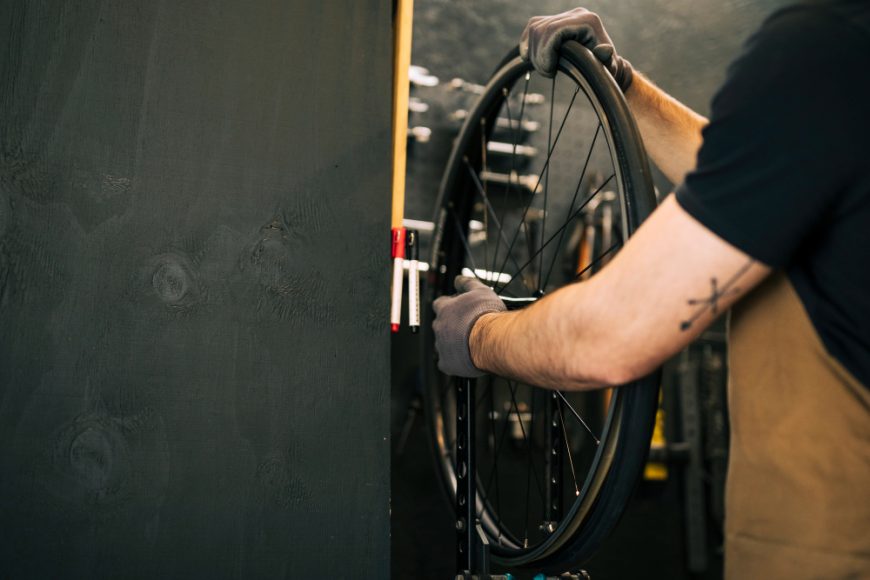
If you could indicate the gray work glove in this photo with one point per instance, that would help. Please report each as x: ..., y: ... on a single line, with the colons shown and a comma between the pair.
x: 454, y: 318
x: 544, y: 35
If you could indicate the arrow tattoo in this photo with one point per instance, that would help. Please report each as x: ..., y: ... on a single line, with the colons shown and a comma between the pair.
x: 711, y: 302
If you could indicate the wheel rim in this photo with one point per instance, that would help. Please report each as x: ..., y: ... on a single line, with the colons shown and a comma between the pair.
x: 532, y: 270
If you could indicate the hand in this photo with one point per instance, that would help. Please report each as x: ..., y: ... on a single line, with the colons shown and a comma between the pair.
x: 544, y: 36
x: 455, y: 316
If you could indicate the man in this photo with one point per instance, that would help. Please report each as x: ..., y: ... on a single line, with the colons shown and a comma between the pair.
x: 772, y: 215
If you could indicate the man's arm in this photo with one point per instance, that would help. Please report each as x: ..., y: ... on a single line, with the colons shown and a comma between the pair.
x: 671, y: 131
x: 669, y: 282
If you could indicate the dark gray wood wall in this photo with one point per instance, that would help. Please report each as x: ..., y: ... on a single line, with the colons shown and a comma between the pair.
x: 194, y: 214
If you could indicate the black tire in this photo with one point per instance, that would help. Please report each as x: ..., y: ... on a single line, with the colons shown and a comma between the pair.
x: 619, y: 459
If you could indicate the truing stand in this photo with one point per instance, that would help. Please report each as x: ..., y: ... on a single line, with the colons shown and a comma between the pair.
x: 467, y: 538
x: 472, y: 545
x: 553, y: 462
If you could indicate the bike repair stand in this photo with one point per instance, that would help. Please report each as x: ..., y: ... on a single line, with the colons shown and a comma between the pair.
x: 472, y: 545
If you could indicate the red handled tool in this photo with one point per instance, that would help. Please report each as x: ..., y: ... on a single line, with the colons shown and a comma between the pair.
x: 398, y: 254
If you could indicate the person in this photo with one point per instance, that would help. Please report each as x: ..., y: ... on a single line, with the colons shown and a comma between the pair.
x: 772, y: 217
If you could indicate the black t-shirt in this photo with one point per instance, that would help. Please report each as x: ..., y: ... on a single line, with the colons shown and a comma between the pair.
x: 784, y: 170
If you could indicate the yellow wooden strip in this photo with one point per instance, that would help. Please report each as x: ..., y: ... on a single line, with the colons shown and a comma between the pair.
x: 401, y: 64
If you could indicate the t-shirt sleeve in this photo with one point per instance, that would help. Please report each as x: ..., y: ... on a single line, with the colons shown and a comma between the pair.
x: 774, y: 154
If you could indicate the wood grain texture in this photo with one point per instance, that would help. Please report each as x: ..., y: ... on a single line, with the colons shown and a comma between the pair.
x: 194, y: 209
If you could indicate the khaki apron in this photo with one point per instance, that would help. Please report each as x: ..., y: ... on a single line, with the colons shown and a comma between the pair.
x: 798, y: 492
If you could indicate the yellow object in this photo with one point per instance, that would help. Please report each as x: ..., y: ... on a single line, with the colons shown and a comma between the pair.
x: 657, y: 471
x: 402, y: 27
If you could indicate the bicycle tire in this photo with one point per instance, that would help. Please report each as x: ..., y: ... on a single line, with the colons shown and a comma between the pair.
x: 618, y: 463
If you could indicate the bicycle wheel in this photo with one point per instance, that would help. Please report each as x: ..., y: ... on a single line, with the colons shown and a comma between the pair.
x: 554, y: 470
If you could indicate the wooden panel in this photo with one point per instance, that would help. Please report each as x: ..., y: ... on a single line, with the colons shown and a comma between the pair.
x: 194, y: 218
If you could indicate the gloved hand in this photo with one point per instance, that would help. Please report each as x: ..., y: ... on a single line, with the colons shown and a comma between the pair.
x: 544, y: 35
x: 454, y: 318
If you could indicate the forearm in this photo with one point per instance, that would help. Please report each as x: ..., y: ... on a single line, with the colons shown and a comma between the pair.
x: 670, y: 280
x: 542, y: 346
x: 671, y: 131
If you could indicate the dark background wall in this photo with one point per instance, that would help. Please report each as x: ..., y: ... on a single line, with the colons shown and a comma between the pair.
x: 193, y: 289
x: 685, y: 46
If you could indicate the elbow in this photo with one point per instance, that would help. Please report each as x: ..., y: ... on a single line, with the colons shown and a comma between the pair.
x: 626, y: 369
x: 617, y: 374
x: 600, y: 372
x: 601, y: 354
x: 620, y: 365
x: 629, y: 354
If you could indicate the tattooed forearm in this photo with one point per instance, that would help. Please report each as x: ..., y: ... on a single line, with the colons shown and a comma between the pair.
x: 711, y: 302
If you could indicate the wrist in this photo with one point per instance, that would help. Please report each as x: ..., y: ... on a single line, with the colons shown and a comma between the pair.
x: 628, y: 91
x: 637, y: 90
x: 478, y: 337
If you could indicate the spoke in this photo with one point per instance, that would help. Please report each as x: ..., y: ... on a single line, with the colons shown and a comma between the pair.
x: 541, y: 174
x: 568, y: 448
x: 517, y: 131
x: 528, y: 441
x: 465, y: 243
x: 571, y: 206
x: 495, y: 458
x: 547, y: 179
x: 532, y: 235
x: 483, y: 396
x: 512, y: 387
x: 598, y: 259
x: 500, y: 442
x: 557, y: 232
x: 578, y: 417
x: 526, y: 438
x: 482, y: 188
x: 489, y: 210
